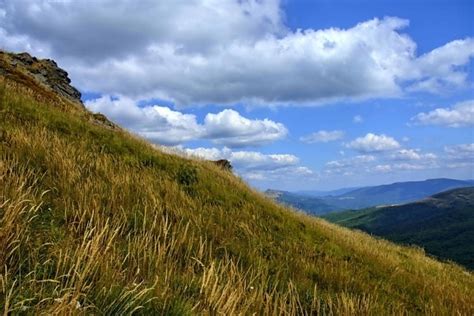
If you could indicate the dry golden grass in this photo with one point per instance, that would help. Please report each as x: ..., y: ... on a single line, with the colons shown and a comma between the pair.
x: 95, y: 221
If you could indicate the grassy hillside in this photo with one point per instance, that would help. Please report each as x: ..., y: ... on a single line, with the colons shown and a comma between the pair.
x: 443, y: 224
x: 93, y: 220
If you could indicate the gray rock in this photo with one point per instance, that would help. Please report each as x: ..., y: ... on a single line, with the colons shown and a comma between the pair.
x: 47, y: 72
x: 224, y: 164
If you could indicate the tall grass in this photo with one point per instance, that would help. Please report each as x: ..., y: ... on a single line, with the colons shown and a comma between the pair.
x: 93, y: 220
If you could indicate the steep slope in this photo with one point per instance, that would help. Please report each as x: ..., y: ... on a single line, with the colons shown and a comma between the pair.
x: 96, y: 221
x: 443, y: 224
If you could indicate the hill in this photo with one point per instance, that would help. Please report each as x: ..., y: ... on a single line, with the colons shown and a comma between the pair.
x: 442, y: 224
x: 309, y: 204
x: 349, y: 199
x: 96, y: 221
x: 396, y: 193
x: 316, y: 193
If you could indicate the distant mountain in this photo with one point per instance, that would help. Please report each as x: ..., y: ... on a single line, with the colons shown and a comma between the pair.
x: 395, y: 193
x: 316, y: 193
x: 359, y: 198
x: 442, y: 224
x: 308, y: 204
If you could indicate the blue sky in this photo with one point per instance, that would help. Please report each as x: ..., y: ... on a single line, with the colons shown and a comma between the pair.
x: 297, y: 94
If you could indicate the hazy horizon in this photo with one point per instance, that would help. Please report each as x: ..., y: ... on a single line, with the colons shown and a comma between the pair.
x: 307, y: 189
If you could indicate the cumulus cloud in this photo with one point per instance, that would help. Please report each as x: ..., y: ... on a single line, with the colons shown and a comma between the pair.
x: 282, y: 174
x: 162, y: 125
x: 119, y: 28
x: 157, y: 123
x: 383, y: 168
x: 462, y: 150
x: 347, y: 166
x: 254, y: 160
x: 460, y: 156
x: 396, y: 161
x: 373, y: 143
x: 254, y: 165
x: 322, y: 137
x: 385, y: 162
x: 439, y: 66
x: 230, y: 128
x: 412, y: 154
x: 170, y: 50
x: 459, y: 115
x: 416, y: 166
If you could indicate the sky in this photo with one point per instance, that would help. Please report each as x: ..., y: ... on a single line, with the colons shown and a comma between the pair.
x: 297, y: 94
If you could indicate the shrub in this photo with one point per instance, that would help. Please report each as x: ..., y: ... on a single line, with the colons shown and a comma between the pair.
x: 187, y: 175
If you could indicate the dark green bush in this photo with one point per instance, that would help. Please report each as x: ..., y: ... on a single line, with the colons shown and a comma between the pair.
x: 187, y: 175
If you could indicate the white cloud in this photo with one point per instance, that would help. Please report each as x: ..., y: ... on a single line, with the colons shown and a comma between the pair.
x: 430, y: 164
x: 282, y: 174
x: 156, y: 123
x: 250, y: 160
x: 205, y: 153
x: 439, y: 66
x: 231, y: 129
x: 254, y: 165
x: 123, y: 27
x: 464, y: 150
x: 459, y: 115
x: 407, y: 160
x: 469, y: 165
x: 349, y: 162
x: 459, y: 156
x: 358, y: 119
x: 171, y: 50
x: 383, y: 168
x: 349, y: 165
x: 322, y: 137
x: 387, y: 160
x: 164, y: 126
x: 373, y: 143
x: 412, y: 154
x: 395, y: 162
x: 247, y: 160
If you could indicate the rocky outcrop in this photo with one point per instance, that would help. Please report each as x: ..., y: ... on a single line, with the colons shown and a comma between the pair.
x: 45, y: 71
x: 224, y: 164
x: 45, y: 78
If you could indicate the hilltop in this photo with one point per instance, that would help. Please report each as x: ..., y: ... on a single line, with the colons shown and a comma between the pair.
x: 97, y: 221
x: 442, y: 224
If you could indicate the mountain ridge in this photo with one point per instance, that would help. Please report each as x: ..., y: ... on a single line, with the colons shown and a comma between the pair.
x: 443, y: 224
x: 385, y: 194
